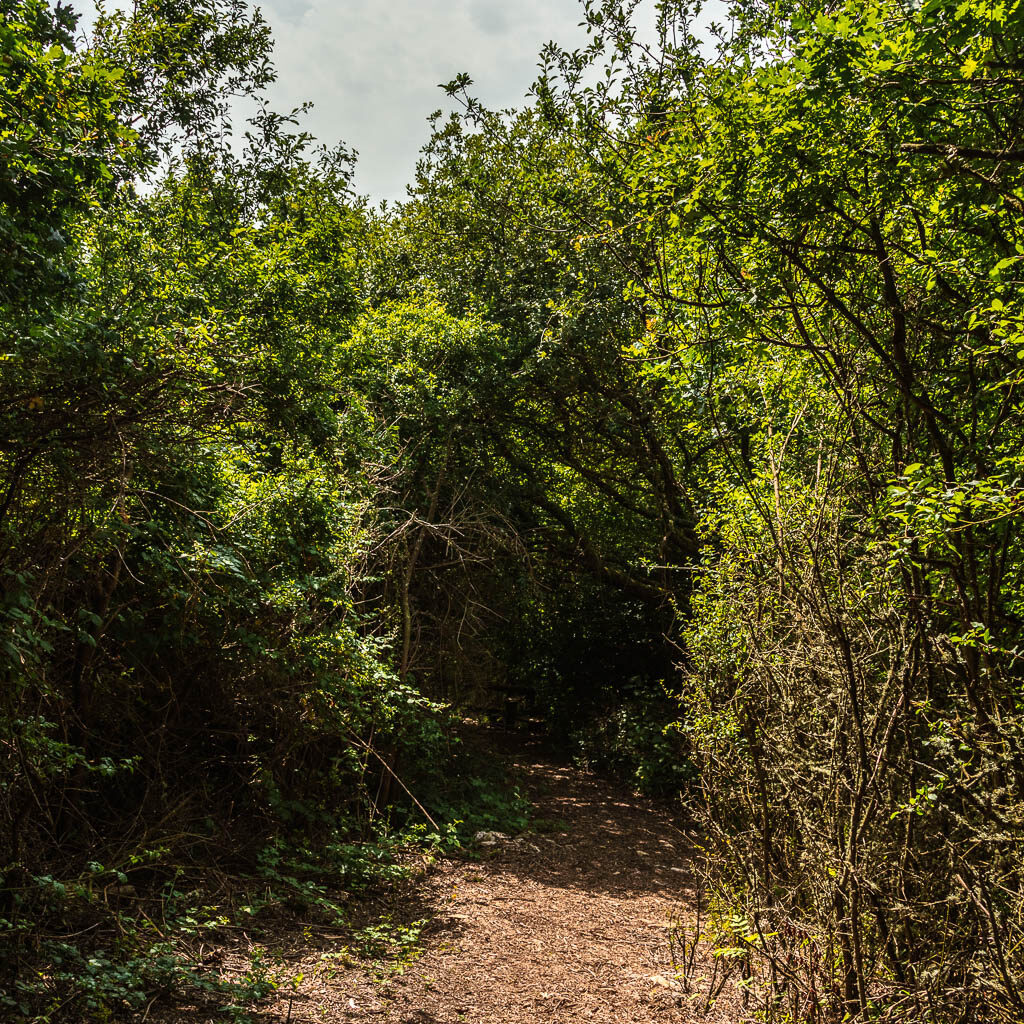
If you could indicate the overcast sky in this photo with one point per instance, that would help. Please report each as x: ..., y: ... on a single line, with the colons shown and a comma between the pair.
x: 372, y: 67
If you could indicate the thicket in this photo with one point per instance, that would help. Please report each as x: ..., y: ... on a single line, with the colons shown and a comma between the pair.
x: 680, y: 408
x: 761, y: 310
x: 200, y: 711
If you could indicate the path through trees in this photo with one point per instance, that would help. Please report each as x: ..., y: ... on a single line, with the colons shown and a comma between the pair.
x: 569, y: 922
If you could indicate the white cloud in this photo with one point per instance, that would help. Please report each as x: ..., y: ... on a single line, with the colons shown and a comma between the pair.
x: 372, y: 68
x: 490, y: 18
x: 291, y: 12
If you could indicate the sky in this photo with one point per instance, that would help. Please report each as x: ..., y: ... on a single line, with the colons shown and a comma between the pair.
x: 372, y: 68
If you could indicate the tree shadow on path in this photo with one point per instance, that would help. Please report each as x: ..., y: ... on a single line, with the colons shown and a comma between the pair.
x: 592, y: 835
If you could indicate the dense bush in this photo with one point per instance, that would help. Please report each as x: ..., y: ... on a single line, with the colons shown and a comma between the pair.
x: 699, y: 376
x: 777, y: 389
x: 187, y: 509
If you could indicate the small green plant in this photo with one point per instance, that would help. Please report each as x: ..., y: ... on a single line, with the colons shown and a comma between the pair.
x: 391, y: 946
x: 261, y: 979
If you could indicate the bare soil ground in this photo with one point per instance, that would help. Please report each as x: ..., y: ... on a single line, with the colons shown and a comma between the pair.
x: 568, y: 923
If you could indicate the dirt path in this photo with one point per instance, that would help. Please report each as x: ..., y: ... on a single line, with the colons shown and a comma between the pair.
x: 569, y: 924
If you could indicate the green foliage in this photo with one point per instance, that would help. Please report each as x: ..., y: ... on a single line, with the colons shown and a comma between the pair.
x: 835, y: 210
x: 476, y: 793
x: 192, y: 658
x: 394, y: 946
x: 762, y: 304
x: 701, y: 373
x: 147, y: 945
x: 635, y: 741
x: 63, y: 150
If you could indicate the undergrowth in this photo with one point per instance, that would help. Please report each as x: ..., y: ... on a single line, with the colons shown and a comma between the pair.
x: 110, y: 941
x: 637, y: 742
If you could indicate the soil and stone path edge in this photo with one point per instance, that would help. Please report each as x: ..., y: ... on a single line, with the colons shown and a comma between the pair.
x: 569, y: 922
